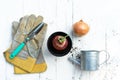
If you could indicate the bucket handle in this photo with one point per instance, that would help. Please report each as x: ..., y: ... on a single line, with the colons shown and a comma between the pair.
x: 108, y: 57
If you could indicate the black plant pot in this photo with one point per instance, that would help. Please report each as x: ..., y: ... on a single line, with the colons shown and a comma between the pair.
x: 59, y: 53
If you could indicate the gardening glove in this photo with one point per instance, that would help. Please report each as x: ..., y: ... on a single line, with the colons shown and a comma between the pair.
x: 27, y: 58
x: 40, y: 65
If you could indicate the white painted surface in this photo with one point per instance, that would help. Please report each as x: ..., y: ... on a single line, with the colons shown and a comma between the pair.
x: 103, y: 16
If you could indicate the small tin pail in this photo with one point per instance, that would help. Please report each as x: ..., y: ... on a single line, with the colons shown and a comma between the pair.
x: 89, y: 60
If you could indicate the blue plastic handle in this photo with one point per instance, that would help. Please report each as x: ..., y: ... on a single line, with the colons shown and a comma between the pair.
x: 17, y: 50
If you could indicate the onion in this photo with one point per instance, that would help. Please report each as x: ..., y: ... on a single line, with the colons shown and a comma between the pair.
x: 60, y: 42
x: 80, y: 28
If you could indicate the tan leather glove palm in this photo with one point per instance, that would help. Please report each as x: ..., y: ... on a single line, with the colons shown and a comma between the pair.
x: 30, y: 59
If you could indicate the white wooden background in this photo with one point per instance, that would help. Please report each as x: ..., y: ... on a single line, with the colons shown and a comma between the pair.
x: 103, y: 17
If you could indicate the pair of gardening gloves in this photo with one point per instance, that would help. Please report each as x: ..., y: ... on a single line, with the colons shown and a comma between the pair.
x: 30, y: 59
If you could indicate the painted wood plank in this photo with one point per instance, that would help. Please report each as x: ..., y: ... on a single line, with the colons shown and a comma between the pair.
x: 47, y: 8
x: 100, y: 43
x: 80, y: 42
x: 10, y: 11
x: 63, y: 68
x: 17, y: 11
x: 113, y: 38
x: 64, y: 23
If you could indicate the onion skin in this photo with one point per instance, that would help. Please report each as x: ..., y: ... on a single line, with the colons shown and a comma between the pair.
x: 80, y: 28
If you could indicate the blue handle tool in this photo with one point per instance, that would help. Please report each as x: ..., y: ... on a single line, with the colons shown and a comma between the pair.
x: 29, y: 37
